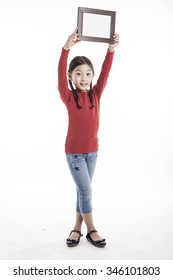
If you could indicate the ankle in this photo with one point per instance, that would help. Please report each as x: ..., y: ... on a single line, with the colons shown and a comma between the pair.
x: 77, y: 228
x: 93, y: 229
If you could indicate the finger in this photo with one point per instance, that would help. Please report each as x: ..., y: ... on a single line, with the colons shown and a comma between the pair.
x: 75, y: 31
x: 116, y: 38
x: 73, y: 36
x: 115, y: 35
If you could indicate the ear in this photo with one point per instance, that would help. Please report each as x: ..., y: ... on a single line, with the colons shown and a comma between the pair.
x: 69, y: 76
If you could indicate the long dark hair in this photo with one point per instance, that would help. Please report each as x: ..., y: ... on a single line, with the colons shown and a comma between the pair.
x: 76, y: 61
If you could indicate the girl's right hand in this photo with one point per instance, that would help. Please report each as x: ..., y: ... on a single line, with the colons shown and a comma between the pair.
x: 72, y: 40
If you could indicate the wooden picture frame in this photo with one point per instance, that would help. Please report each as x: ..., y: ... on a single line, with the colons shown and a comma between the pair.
x: 103, y: 20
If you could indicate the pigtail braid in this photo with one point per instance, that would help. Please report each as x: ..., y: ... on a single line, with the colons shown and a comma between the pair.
x: 90, y: 94
x: 75, y: 95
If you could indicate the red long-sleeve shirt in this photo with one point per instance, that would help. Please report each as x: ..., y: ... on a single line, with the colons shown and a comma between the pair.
x: 83, y: 124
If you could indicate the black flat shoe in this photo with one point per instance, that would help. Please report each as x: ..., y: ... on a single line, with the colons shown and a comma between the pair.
x: 73, y: 242
x: 97, y: 243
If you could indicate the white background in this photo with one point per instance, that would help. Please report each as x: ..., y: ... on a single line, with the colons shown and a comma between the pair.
x: 132, y: 187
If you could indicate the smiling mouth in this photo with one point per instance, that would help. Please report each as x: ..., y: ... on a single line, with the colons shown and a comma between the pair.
x: 83, y: 85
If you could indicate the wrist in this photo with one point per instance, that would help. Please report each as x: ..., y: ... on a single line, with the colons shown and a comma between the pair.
x: 66, y: 46
x: 111, y: 49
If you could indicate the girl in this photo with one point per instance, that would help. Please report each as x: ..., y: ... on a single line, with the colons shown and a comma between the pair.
x: 82, y: 101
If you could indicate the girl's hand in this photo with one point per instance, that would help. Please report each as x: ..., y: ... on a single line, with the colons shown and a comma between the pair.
x: 116, y: 42
x: 72, y: 40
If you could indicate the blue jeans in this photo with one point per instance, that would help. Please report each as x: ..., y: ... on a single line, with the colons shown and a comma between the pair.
x: 82, y: 168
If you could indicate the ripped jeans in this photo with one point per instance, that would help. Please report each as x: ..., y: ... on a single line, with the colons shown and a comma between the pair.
x: 82, y: 168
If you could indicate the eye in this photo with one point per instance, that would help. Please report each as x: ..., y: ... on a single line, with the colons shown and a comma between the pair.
x: 88, y: 74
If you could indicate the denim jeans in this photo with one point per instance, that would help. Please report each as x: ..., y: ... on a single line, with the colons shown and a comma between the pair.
x: 82, y: 168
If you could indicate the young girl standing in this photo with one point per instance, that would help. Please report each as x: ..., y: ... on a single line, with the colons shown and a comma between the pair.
x: 82, y: 101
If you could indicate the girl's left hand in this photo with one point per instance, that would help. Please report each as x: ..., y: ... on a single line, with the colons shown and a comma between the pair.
x: 116, y: 42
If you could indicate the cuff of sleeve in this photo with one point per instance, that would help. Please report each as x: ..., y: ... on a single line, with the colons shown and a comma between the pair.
x: 110, y: 51
x: 65, y: 49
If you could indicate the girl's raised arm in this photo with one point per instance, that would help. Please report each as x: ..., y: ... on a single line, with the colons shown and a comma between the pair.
x: 106, y: 66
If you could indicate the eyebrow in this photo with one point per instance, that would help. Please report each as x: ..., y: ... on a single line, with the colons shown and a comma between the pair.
x: 78, y: 70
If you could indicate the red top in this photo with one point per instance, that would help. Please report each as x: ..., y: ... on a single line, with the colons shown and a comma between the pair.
x: 83, y: 123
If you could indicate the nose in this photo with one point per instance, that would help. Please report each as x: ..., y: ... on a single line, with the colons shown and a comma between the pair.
x: 83, y: 78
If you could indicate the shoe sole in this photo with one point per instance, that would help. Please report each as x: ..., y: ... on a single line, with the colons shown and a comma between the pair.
x: 97, y: 245
x: 72, y: 245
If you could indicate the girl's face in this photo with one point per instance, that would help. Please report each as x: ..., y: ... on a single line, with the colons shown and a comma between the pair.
x: 82, y: 77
